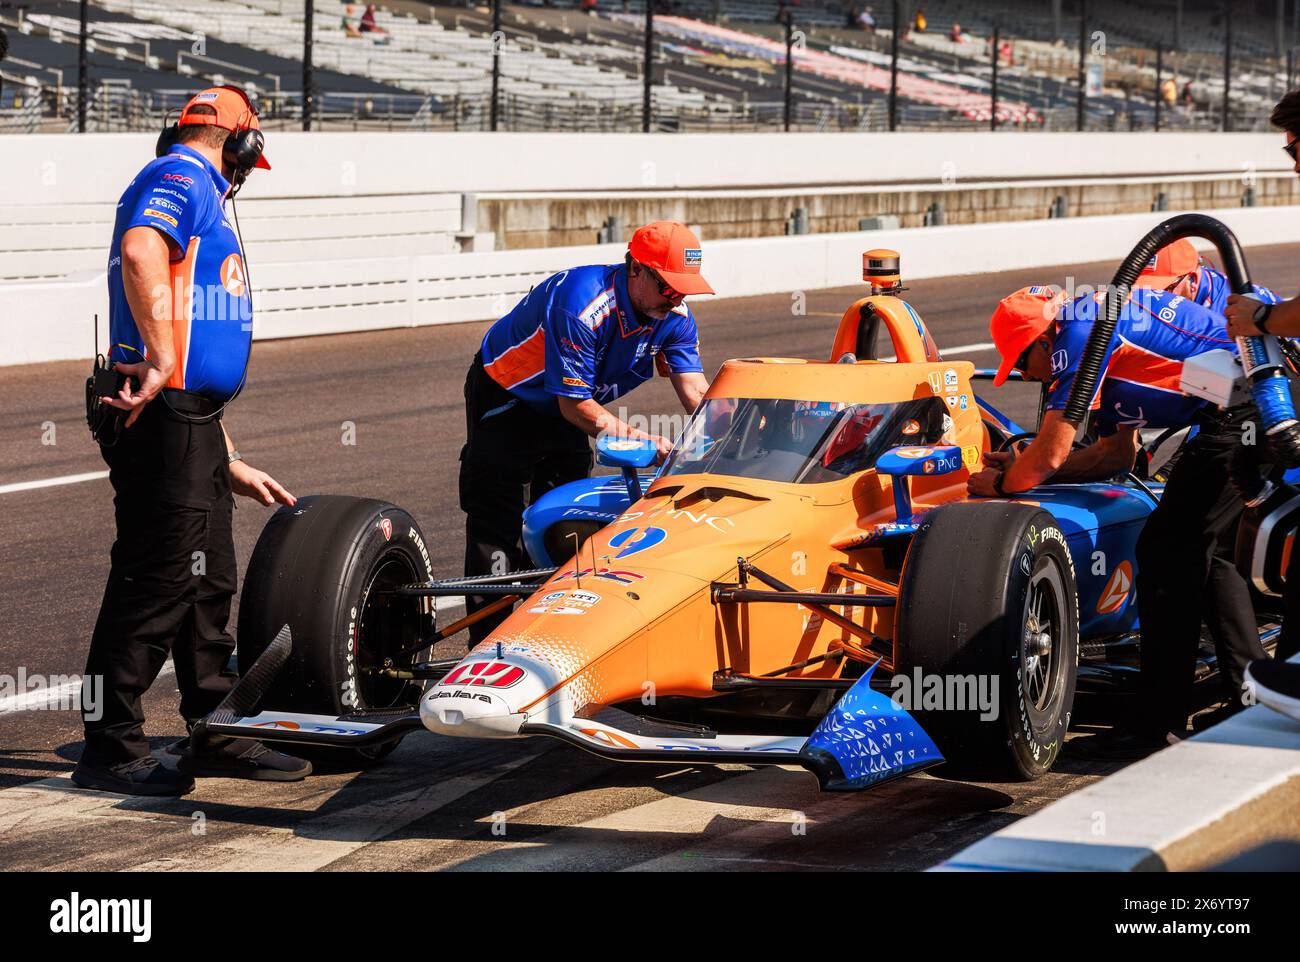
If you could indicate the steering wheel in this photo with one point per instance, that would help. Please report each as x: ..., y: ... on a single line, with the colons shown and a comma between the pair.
x: 1074, y: 446
x: 1006, y: 444
x: 1029, y: 436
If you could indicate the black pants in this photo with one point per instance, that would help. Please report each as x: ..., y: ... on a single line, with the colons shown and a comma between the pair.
x: 1186, y: 575
x: 1288, y: 641
x: 172, y: 577
x: 512, y: 456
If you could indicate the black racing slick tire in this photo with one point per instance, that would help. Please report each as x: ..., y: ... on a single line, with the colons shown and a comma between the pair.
x: 988, y: 605
x: 324, y: 567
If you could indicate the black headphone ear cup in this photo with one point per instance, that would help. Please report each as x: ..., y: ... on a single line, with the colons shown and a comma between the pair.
x: 167, y: 138
x: 243, y: 149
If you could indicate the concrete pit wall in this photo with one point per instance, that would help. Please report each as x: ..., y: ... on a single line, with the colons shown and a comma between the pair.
x: 524, y: 222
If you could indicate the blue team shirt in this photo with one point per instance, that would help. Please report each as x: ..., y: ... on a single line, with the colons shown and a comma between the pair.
x: 1155, y: 333
x: 1213, y: 290
x: 181, y: 195
x: 577, y: 335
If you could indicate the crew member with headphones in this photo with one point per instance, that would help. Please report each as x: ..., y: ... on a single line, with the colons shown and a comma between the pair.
x: 180, y: 323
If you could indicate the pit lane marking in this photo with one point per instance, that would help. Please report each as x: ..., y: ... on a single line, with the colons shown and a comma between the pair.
x: 947, y: 352
x: 33, y: 813
x: 52, y: 482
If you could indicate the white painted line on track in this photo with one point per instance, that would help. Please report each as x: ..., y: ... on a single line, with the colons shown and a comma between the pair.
x: 52, y: 482
x: 958, y: 349
x: 322, y: 827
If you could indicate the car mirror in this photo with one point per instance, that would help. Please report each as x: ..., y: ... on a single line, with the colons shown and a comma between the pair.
x: 625, y: 452
x: 931, y: 460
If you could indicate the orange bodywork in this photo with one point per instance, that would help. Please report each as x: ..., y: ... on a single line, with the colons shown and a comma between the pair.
x: 633, y: 615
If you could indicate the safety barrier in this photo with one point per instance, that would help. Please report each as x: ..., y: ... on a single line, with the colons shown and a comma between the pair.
x: 303, y: 298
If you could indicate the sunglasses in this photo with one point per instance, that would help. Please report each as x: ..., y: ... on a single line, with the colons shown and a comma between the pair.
x: 1022, y: 362
x: 665, y: 291
x: 1291, y: 149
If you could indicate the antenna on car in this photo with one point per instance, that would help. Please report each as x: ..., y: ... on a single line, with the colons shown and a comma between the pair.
x: 577, y: 562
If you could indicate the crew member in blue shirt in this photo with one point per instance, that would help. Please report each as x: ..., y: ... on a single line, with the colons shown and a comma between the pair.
x: 180, y: 324
x: 545, y: 374
x: 1184, y: 550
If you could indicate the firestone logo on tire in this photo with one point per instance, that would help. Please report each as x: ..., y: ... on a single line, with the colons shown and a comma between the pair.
x: 485, y: 674
x: 386, y: 526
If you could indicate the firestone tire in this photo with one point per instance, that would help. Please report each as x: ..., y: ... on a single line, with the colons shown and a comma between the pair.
x: 322, y: 567
x: 988, y: 593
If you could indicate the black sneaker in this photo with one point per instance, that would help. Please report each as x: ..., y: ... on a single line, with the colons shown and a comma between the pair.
x: 144, y: 776
x: 240, y: 758
x: 1276, y: 684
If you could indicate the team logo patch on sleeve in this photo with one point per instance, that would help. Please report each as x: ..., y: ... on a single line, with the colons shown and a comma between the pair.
x: 575, y: 382
x: 150, y: 212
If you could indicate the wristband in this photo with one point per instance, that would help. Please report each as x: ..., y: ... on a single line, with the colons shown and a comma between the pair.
x: 1260, y: 317
x: 997, y: 484
x: 232, y: 457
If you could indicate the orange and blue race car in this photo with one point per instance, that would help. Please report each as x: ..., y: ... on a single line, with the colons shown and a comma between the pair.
x: 805, y: 581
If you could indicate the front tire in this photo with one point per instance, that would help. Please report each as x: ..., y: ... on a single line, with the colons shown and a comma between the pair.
x: 324, y: 567
x: 988, y: 593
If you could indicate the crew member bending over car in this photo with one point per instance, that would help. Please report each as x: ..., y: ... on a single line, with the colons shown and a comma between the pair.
x: 1179, y: 268
x: 1184, y: 551
x: 537, y: 388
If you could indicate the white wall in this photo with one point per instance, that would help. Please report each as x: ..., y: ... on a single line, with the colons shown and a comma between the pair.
x: 49, y: 175
x: 297, y: 299
x: 71, y: 168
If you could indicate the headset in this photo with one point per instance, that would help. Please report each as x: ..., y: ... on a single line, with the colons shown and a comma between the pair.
x: 242, y: 149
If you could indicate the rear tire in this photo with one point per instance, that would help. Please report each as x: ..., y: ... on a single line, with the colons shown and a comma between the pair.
x: 321, y: 567
x: 988, y: 590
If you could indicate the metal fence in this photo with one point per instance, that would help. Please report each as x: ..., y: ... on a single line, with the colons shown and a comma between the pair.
x: 666, y: 88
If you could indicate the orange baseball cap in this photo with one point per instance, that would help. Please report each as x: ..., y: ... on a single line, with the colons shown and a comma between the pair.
x: 234, y: 112
x: 673, y: 252
x: 1017, y: 322
x: 1171, y: 263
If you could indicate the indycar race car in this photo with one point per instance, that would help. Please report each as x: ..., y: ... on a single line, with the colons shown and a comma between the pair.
x: 804, y: 581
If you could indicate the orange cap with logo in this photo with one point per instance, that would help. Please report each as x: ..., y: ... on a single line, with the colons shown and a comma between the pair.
x: 1018, y: 321
x: 234, y: 112
x: 1171, y: 263
x: 673, y: 252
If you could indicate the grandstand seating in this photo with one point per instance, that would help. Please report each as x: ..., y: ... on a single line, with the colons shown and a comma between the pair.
x: 719, y: 63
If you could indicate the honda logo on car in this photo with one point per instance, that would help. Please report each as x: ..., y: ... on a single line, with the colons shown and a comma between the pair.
x: 487, y: 674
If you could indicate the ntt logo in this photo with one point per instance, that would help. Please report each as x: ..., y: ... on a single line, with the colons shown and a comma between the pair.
x: 77, y: 916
